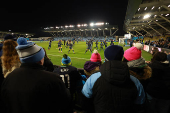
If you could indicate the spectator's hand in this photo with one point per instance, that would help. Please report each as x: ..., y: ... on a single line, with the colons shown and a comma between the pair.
x: 147, y: 62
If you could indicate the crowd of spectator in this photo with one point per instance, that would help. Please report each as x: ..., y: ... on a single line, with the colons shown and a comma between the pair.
x: 124, y: 82
x: 160, y: 43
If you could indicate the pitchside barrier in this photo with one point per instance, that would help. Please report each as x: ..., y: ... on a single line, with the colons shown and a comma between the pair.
x: 149, y: 49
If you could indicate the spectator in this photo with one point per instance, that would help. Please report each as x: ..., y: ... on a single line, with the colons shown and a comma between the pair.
x: 113, y: 89
x: 30, y: 89
x: 158, y: 89
x: 95, y: 57
x: 93, y: 65
x: 10, y: 58
x: 47, y: 63
x: 69, y: 75
x: 137, y: 66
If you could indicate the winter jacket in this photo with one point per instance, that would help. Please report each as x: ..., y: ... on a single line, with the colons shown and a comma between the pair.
x: 113, y: 89
x: 30, y: 89
x: 159, y: 86
x: 48, y: 64
x: 139, y: 69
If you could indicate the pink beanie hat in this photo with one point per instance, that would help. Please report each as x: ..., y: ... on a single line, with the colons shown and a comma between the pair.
x: 133, y: 53
x: 95, y: 57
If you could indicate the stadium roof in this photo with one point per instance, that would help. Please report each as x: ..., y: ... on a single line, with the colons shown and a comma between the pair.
x: 83, y: 27
x: 17, y: 34
x: 148, y: 17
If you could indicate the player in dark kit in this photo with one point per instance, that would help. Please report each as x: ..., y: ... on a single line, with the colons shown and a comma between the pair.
x: 101, y: 46
x: 96, y: 44
x: 112, y: 42
x: 105, y: 43
x: 69, y: 75
x: 49, y: 47
x: 89, y: 47
x: 59, y: 46
x: 70, y: 47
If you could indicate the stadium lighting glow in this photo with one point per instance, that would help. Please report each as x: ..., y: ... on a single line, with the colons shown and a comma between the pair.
x: 85, y: 25
x: 146, y: 16
x: 57, y: 27
x: 99, y: 24
x: 91, y: 24
x: 78, y: 25
x: 145, y: 8
x: 153, y: 7
x: 71, y: 26
x: 139, y: 9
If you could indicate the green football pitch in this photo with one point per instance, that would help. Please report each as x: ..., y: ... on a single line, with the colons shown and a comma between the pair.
x: 79, y: 58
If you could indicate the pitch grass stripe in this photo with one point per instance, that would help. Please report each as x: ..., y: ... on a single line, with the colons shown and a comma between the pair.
x: 71, y: 57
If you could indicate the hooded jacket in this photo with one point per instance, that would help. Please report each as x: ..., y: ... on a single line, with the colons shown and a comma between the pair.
x: 30, y: 89
x: 159, y: 85
x: 113, y: 90
x: 139, y: 69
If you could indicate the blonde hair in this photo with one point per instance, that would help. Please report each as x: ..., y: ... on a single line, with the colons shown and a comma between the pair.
x: 10, y: 56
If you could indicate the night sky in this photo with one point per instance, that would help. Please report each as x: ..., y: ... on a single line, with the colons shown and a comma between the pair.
x: 33, y: 16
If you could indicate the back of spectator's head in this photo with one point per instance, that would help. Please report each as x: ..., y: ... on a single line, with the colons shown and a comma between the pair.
x: 66, y: 60
x: 29, y: 52
x: 9, y: 56
x: 95, y: 57
x: 9, y: 37
x: 159, y: 56
x: 90, y: 67
x: 133, y: 53
x: 114, y: 52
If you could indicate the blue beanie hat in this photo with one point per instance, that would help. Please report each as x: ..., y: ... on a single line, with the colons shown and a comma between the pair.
x: 29, y: 52
x: 66, y: 60
x: 114, y: 52
x: 9, y: 36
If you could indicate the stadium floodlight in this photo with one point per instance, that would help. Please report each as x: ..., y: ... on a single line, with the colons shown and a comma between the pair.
x: 66, y: 26
x: 139, y: 9
x: 99, y: 24
x: 85, y: 25
x: 78, y: 25
x: 167, y: 15
x: 91, y: 24
x: 146, y: 16
x: 57, y: 27
x: 71, y: 26
x: 153, y: 7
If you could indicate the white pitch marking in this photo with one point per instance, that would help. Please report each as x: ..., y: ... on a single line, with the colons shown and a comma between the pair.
x: 70, y: 57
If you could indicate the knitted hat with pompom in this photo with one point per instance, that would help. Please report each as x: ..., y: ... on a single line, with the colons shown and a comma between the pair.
x: 95, y: 57
x: 133, y: 53
x: 29, y: 52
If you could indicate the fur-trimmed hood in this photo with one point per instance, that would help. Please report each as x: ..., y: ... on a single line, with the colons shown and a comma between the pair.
x: 139, y: 69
